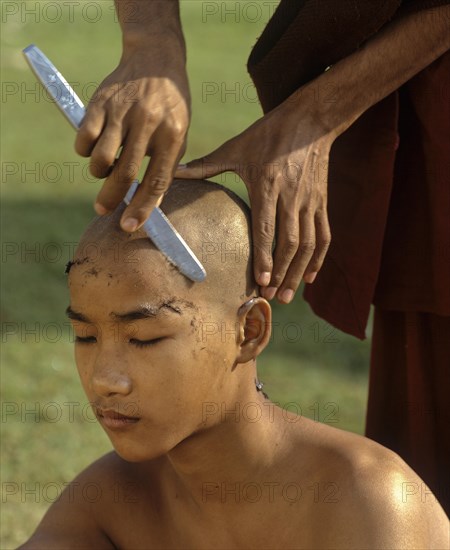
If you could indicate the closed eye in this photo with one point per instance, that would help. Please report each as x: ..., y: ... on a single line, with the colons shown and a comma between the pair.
x: 133, y: 341
x: 145, y: 343
x: 86, y: 340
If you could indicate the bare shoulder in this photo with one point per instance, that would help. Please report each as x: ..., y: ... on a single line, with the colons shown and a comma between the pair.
x: 79, y: 518
x: 383, y: 502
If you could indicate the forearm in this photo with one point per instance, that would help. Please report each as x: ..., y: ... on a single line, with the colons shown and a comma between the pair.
x: 392, y: 57
x: 147, y: 22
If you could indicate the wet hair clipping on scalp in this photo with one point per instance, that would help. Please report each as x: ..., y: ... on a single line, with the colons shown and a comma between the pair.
x: 69, y: 264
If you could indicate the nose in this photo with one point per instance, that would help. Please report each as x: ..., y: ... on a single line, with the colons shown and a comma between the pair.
x: 107, y: 380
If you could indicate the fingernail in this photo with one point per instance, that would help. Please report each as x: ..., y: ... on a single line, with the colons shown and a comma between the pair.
x: 130, y: 224
x: 264, y: 278
x: 100, y: 209
x: 287, y: 295
x: 270, y: 292
x: 310, y: 277
x: 182, y: 167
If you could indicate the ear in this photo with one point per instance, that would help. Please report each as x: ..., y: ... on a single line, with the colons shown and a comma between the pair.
x: 255, y: 326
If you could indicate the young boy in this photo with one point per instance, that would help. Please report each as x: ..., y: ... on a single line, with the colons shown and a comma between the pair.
x: 202, y: 458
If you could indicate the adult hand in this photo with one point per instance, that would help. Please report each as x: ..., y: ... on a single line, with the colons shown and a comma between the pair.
x: 283, y: 160
x: 143, y: 105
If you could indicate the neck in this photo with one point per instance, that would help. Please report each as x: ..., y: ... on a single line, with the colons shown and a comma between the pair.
x: 240, y: 448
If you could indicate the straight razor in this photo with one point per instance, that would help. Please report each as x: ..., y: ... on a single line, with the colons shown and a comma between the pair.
x: 158, y: 227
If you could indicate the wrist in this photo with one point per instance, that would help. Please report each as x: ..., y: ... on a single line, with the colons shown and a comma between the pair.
x: 145, y: 40
x: 148, y: 23
x: 314, y: 106
x: 331, y: 103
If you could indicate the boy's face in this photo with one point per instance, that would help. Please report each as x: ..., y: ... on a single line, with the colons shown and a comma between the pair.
x: 149, y: 348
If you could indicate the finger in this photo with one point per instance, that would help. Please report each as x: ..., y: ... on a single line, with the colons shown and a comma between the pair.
x: 263, y: 229
x: 156, y: 181
x: 90, y: 129
x: 323, y: 238
x: 105, y: 150
x: 301, y: 259
x: 220, y: 160
x: 125, y: 170
x: 286, y: 246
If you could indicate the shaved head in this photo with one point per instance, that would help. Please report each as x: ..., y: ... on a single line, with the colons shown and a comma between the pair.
x: 147, y: 335
x: 213, y: 221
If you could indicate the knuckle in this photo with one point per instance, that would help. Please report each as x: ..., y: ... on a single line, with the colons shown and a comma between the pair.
x: 144, y: 117
x: 307, y: 247
x: 101, y: 159
x: 149, y: 118
x: 270, y: 189
x: 110, y: 203
x: 158, y: 185
x: 100, y: 164
x: 108, y: 198
x: 290, y: 245
x: 83, y: 144
x: 307, y: 210
x: 290, y: 185
x: 177, y: 129
x: 96, y: 169
x: 324, y: 237
x: 128, y: 171
x: 265, y: 230
x: 81, y: 149
x: 87, y: 133
x: 326, y: 243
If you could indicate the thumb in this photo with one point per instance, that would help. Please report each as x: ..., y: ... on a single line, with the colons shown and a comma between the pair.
x: 205, y: 167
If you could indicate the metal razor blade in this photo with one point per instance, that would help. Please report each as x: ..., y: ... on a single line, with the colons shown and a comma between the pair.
x: 159, y: 229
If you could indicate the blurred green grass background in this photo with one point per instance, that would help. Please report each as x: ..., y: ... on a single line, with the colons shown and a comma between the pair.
x: 47, y: 195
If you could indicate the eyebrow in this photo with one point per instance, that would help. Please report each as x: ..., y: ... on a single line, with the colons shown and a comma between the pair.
x: 145, y: 311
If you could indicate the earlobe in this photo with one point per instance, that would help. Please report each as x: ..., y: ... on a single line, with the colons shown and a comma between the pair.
x: 255, y: 321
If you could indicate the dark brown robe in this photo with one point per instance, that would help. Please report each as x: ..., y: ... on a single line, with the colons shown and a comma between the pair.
x: 389, y: 212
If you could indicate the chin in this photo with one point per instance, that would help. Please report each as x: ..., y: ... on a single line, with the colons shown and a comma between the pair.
x: 143, y: 450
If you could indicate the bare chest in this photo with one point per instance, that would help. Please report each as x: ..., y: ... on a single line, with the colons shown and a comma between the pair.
x: 250, y: 525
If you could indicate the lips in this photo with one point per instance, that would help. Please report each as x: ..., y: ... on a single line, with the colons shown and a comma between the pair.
x: 114, y: 419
